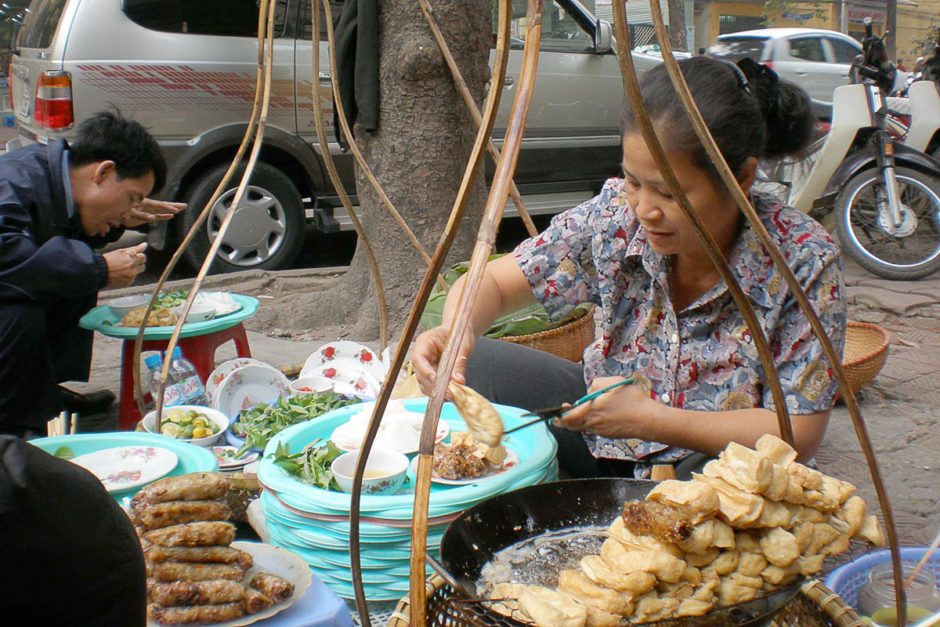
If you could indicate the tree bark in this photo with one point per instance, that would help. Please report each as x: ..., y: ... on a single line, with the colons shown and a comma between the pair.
x: 677, y: 25
x: 418, y: 154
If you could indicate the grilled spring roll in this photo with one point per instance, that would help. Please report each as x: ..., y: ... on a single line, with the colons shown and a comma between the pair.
x: 157, y: 515
x: 199, y: 554
x: 202, y: 614
x: 273, y: 586
x: 198, y: 486
x: 193, y: 534
x: 256, y: 601
x: 211, y: 592
x: 184, y: 571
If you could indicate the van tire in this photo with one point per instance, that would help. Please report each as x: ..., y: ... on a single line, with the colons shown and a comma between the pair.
x: 268, y: 238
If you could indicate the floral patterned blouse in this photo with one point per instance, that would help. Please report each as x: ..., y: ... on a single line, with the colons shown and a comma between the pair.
x: 701, y: 358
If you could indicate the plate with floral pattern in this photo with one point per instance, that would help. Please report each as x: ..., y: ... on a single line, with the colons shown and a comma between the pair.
x: 223, y: 370
x: 249, y: 385
x: 348, y: 354
x: 125, y: 467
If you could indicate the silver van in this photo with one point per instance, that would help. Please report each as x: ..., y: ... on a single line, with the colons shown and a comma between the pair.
x: 186, y: 70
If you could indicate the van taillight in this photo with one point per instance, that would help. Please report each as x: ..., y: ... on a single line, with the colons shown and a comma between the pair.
x: 54, y: 100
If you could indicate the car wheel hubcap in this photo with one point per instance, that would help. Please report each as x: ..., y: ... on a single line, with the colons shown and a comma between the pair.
x: 257, y: 228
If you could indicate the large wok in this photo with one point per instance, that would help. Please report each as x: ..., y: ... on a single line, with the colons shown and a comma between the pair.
x: 471, y: 540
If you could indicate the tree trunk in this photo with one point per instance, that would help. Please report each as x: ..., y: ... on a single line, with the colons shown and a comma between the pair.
x: 677, y: 25
x: 418, y: 154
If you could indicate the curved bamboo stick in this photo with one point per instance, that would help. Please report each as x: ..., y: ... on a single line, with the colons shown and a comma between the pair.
x: 632, y: 86
x: 492, y: 214
x: 204, y: 213
x: 354, y: 146
x: 835, y: 359
x: 341, y: 191
x: 474, y: 111
x: 236, y: 200
x: 437, y: 262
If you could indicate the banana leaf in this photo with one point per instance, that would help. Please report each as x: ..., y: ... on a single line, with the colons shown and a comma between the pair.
x: 531, y: 319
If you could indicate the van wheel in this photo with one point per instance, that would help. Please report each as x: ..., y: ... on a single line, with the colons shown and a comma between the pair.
x: 266, y: 231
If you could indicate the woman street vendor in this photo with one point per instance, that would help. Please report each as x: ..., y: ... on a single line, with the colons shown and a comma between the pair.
x: 664, y: 316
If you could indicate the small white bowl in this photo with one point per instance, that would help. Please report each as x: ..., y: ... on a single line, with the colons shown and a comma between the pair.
x: 122, y: 306
x: 152, y: 424
x: 385, y: 471
x: 310, y: 385
x: 199, y: 312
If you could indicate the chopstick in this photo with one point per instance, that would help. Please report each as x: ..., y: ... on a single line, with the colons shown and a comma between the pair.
x: 923, y: 561
x: 544, y: 414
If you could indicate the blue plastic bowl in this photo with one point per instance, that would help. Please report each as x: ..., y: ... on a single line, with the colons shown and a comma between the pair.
x: 849, y: 579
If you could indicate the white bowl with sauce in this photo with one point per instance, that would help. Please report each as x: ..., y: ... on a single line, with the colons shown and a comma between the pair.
x: 385, y: 471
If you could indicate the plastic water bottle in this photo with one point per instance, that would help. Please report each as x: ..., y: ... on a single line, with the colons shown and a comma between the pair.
x: 192, y: 391
x: 171, y: 393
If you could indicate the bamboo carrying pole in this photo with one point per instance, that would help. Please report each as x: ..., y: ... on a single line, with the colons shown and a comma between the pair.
x: 340, y: 188
x: 460, y: 325
x: 414, y: 316
x: 835, y: 360
x: 260, y: 73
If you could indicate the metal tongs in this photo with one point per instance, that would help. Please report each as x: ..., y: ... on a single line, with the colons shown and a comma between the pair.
x: 559, y: 410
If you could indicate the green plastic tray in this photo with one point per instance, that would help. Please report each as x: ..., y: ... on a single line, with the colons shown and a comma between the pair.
x: 192, y: 458
x: 103, y: 320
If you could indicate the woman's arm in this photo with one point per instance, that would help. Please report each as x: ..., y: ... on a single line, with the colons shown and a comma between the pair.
x: 504, y: 289
x: 629, y: 412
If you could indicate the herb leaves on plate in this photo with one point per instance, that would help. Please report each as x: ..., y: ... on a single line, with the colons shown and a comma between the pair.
x: 166, y: 300
x: 311, y: 465
x: 263, y: 421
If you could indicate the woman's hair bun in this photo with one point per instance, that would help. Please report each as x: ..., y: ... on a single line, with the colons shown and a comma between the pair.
x: 786, y: 108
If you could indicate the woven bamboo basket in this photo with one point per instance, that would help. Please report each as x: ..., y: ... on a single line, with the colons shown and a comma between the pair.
x: 567, y: 341
x: 815, y: 606
x: 866, y: 350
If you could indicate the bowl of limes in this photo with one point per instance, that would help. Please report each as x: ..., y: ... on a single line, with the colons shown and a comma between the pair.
x: 202, y: 426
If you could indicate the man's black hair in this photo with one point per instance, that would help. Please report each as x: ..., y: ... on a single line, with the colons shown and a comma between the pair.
x: 107, y: 135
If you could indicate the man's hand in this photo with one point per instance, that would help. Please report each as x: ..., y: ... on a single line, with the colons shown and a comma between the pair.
x: 150, y: 210
x: 125, y: 264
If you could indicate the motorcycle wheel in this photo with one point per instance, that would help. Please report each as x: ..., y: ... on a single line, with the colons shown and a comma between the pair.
x: 913, y: 251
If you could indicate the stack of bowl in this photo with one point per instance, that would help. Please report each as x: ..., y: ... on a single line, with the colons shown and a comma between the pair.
x: 314, y: 523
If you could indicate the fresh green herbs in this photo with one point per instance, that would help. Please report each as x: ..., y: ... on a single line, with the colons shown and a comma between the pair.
x: 166, y: 300
x: 263, y: 421
x: 311, y: 465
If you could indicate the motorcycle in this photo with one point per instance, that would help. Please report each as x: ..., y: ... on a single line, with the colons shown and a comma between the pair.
x: 885, y: 195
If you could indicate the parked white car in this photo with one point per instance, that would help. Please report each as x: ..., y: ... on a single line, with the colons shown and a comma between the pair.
x: 815, y: 59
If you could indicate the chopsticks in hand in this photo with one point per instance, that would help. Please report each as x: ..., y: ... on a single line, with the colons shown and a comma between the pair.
x: 555, y: 412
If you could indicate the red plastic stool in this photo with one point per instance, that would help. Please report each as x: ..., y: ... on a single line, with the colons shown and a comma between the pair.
x: 199, y: 349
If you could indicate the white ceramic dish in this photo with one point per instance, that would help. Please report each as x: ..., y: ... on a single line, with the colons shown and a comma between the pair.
x: 225, y: 369
x: 512, y: 458
x: 249, y: 385
x: 276, y: 561
x: 199, y: 312
x: 152, y: 425
x: 348, y: 437
x: 385, y: 471
x: 223, y: 302
x: 122, y: 306
x: 125, y: 467
x: 347, y: 353
x: 225, y: 455
x: 348, y: 380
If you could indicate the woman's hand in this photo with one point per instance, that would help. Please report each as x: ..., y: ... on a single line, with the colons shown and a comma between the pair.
x: 624, y: 412
x: 427, y: 353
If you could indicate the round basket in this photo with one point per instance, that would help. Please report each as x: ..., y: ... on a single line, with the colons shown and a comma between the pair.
x: 816, y: 605
x: 866, y: 350
x: 849, y: 579
x: 567, y: 341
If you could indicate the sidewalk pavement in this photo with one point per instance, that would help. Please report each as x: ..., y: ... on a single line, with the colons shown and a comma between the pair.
x: 900, y: 408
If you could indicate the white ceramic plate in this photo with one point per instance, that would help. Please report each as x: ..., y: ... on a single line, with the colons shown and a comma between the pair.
x: 276, y: 561
x: 248, y: 386
x: 348, y: 353
x: 222, y: 301
x: 224, y: 455
x: 345, y: 439
x: 125, y: 467
x: 511, y: 460
x: 349, y: 380
x: 223, y: 370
